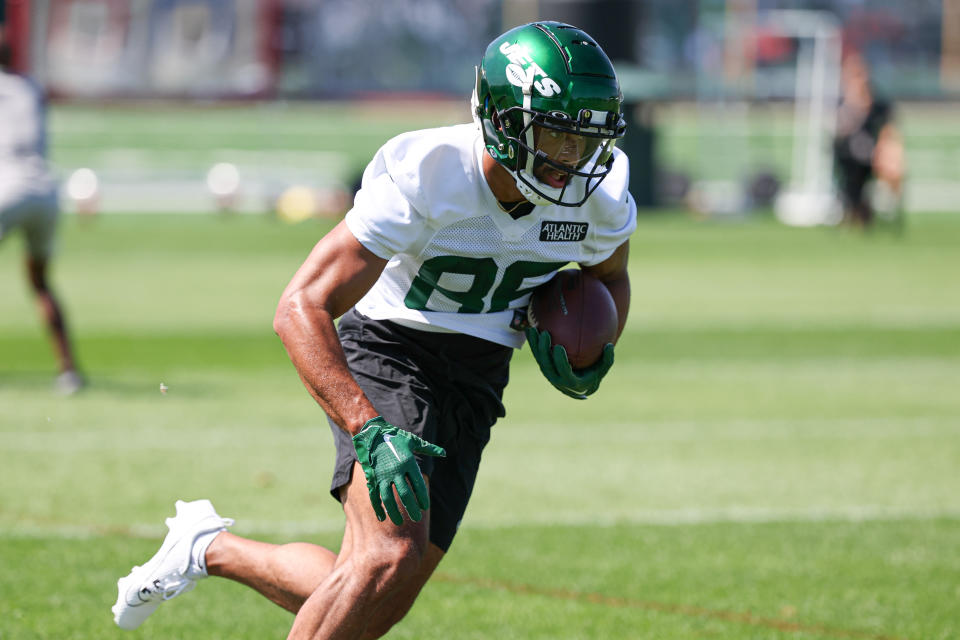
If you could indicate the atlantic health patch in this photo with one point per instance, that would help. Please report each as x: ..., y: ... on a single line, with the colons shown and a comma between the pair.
x: 551, y: 231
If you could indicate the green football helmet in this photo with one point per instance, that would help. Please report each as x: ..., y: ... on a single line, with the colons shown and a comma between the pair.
x: 548, y: 105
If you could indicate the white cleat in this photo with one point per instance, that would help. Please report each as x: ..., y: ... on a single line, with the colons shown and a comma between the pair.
x: 69, y: 383
x: 171, y: 570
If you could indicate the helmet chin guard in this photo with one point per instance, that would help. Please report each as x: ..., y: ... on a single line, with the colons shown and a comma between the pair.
x: 533, y: 196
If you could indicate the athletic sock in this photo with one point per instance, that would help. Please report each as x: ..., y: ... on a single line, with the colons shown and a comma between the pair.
x: 198, y: 554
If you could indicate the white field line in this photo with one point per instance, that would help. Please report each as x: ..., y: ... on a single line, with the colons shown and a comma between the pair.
x: 676, y: 517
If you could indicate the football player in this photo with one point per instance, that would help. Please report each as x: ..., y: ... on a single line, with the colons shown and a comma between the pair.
x: 28, y: 201
x: 868, y: 147
x: 427, y: 273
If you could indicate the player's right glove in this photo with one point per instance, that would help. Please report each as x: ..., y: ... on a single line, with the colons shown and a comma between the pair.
x: 386, y: 454
x: 556, y: 368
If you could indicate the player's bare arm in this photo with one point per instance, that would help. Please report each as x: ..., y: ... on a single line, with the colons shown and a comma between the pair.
x: 336, y: 274
x: 613, y: 273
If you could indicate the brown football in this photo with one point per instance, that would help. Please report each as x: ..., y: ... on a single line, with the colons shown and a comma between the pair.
x: 578, y: 312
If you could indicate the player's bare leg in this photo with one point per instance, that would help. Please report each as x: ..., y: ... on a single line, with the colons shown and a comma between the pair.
x: 360, y: 593
x: 50, y: 310
x: 396, y: 606
x: 374, y: 580
x: 286, y: 574
x: 69, y: 381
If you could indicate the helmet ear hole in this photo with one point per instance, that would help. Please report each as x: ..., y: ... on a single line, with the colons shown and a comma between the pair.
x: 495, y: 118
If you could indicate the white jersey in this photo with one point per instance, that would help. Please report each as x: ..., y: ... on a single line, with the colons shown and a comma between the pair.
x: 28, y: 193
x: 23, y: 166
x: 456, y: 261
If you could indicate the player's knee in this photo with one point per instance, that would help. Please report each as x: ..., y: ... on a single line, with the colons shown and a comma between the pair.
x: 394, y: 609
x: 395, y: 560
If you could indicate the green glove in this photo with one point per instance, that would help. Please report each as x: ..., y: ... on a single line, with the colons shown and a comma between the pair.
x: 556, y: 367
x: 386, y: 456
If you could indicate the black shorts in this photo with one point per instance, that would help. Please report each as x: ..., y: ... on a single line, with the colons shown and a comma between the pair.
x: 445, y: 387
x: 852, y: 179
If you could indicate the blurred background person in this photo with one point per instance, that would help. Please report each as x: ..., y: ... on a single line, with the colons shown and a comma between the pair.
x: 28, y: 202
x: 868, y: 147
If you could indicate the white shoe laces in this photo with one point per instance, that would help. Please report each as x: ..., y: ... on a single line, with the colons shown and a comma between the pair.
x: 166, y: 588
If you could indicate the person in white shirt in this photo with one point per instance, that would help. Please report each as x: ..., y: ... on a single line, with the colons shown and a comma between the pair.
x: 429, y: 273
x: 28, y: 202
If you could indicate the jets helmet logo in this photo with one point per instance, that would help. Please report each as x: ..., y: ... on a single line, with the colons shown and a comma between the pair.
x: 523, y: 71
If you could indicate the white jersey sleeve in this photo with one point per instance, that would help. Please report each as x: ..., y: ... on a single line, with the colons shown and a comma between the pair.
x: 613, y: 211
x: 456, y: 261
x: 382, y: 219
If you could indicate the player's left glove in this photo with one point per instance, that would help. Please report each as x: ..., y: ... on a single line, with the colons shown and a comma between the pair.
x: 386, y: 456
x: 556, y: 368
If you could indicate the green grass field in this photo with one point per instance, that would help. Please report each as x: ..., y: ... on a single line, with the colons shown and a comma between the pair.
x: 775, y: 454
